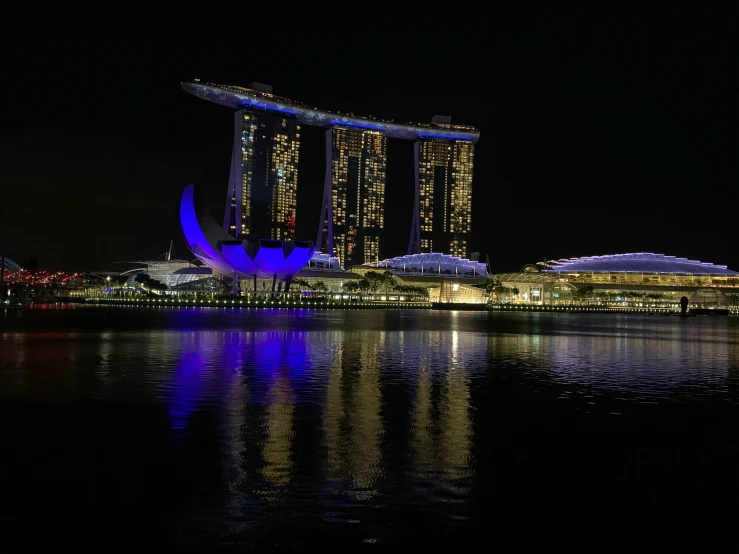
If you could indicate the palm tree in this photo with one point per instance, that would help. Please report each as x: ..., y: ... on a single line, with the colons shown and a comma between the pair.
x: 364, y: 284
x: 420, y: 291
x: 490, y: 284
x: 500, y: 291
x: 155, y: 285
x: 388, y: 281
x: 351, y: 286
x: 374, y: 279
x: 302, y: 283
x: 319, y: 286
x: 583, y: 293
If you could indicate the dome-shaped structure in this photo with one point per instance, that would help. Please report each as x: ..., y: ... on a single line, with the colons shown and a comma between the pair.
x: 323, y: 262
x: 708, y: 301
x: 176, y: 274
x: 434, y: 263
x: 262, y: 258
x: 641, y: 262
x: 563, y: 292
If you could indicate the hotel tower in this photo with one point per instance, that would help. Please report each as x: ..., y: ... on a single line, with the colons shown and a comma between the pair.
x: 261, y: 199
x: 358, y: 169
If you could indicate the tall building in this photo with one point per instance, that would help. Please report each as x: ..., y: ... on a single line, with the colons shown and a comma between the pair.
x: 262, y: 192
x: 261, y: 195
x: 358, y: 170
x: 445, y: 195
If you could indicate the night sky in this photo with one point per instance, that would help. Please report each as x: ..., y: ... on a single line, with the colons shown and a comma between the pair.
x: 599, y: 134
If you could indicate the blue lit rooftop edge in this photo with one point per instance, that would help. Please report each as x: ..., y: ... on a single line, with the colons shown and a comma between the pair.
x: 359, y: 125
x: 442, y: 137
x: 640, y: 262
x: 239, y: 97
x: 268, y: 107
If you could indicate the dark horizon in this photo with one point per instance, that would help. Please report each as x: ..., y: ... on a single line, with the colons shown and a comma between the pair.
x: 598, y: 135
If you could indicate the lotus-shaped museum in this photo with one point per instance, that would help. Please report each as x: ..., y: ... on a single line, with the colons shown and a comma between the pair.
x: 259, y: 258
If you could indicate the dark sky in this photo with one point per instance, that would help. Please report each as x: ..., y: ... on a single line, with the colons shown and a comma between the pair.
x: 599, y: 134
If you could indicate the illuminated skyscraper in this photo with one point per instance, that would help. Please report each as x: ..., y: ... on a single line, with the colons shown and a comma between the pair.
x: 358, y: 169
x: 445, y: 187
x: 444, y: 193
x: 262, y: 191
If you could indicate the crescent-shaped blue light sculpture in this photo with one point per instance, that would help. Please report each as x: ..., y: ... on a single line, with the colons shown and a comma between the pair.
x: 235, y: 254
x: 202, y: 233
x: 263, y: 258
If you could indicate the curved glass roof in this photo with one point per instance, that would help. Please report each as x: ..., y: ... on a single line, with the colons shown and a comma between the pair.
x: 709, y: 298
x: 323, y: 262
x: 525, y: 277
x: 640, y: 262
x: 433, y: 263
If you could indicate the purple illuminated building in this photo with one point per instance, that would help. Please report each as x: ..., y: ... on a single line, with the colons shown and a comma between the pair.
x: 257, y: 258
x: 262, y: 189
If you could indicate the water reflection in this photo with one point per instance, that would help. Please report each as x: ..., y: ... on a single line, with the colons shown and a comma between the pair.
x: 40, y: 364
x: 454, y: 417
x: 335, y: 417
x: 233, y: 430
x: 441, y: 426
x: 186, y: 389
x: 363, y: 401
x: 351, y: 422
x: 333, y: 411
x: 635, y: 356
x: 277, y: 448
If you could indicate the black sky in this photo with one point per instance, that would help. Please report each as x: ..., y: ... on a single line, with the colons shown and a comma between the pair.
x: 599, y: 133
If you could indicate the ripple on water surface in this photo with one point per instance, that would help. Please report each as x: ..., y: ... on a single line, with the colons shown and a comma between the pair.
x: 226, y: 426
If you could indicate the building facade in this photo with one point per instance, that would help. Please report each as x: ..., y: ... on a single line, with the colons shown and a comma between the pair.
x: 252, y: 257
x: 445, y: 195
x: 641, y: 279
x: 358, y: 171
x: 262, y: 194
x: 261, y: 197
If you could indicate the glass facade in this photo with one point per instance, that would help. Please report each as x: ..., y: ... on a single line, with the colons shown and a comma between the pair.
x: 445, y: 195
x: 616, y: 289
x: 261, y: 196
x: 270, y: 147
x: 648, y: 279
x: 358, y: 171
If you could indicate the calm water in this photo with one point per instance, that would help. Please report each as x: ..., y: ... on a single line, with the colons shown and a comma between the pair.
x: 219, y: 430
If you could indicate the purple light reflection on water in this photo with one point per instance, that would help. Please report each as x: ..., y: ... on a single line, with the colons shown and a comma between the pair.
x: 258, y: 358
x: 186, y: 384
x: 419, y: 421
x: 192, y: 318
x: 272, y: 356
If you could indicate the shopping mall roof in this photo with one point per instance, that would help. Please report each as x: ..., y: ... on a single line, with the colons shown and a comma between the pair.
x: 525, y: 277
x: 433, y: 263
x: 323, y: 262
x: 640, y: 262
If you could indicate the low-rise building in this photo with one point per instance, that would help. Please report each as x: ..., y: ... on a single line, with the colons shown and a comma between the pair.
x: 621, y: 279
